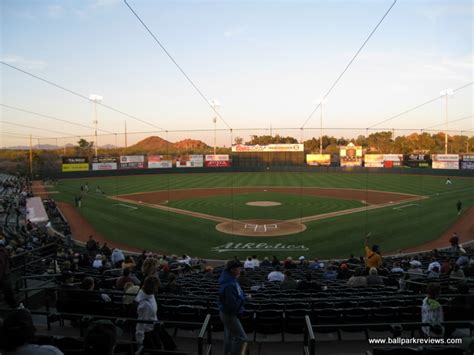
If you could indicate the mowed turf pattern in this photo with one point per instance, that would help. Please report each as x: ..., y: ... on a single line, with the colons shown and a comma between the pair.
x: 392, y: 229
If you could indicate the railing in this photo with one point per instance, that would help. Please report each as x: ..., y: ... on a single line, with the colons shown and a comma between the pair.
x: 309, y: 341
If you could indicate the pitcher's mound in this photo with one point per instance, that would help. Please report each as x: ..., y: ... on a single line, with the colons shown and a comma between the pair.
x: 263, y: 203
x: 261, y: 227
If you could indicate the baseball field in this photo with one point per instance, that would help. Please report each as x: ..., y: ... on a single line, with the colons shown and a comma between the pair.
x: 324, y: 215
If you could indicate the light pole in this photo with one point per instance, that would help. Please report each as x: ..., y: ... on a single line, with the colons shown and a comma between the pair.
x: 95, y: 99
x: 446, y: 93
x: 215, y: 104
x: 322, y: 102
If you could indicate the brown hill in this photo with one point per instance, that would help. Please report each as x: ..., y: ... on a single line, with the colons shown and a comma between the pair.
x: 190, y: 144
x: 158, y: 143
x: 152, y: 143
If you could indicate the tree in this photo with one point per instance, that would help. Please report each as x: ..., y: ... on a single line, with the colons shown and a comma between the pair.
x: 238, y: 140
x: 84, y: 148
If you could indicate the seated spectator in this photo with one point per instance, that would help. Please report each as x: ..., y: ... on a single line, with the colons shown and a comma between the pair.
x: 172, y: 286
x: 275, y: 261
x: 117, y: 258
x: 101, y: 337
x: 164, y: 273
x: 433, y: 264
x: 397, y: 269
x: 276, y: 275
x: 88, y: 284
x: 244, y: 281
x: 457, y: 273
x: 126, y: 277
x: 129, y: 263
x: 415, y: 271
x: 308, y: 284
x: 343, y: 273
x: 447, y: 266
x: 97, y: 264
x: 17, y: 333
x: 316, y: 265
x: 91, y: 246
x: 357, y: 280
x: 150, y: 267
x: 330, y: 274
x: 353, y: 260
x: 288, y: 283
x: 434, y: 273
x: 465, y: 300
x: 256, y: 262
x: 208, y: 273
x: 454, y: 241
x: 248, y: 264
x: 432, y: 312
x: 469, y: 269
x: 373, y: 279
x: 265, y: 262
x: 131, y: 292
x: 106, y: 250
x: 289, y: 263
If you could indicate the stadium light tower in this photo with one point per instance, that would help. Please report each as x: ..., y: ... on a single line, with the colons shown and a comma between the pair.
x: 322, y: 102
x: 215, y: 104
x: 95, y: 99
x: 446, y: 93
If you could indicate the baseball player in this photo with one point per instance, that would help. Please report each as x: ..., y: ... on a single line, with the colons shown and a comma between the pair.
x: 459, y: 206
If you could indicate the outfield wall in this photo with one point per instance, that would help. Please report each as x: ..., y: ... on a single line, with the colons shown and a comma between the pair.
x: 302, y: 169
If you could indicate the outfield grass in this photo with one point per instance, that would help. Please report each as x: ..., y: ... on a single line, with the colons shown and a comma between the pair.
x: 335, y: 237
x: 292, y: 206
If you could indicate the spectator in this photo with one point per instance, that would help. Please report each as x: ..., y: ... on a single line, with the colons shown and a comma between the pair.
x: 275, y: 261
x: 469, y: 270
x: 374, y: 259
x: 288, y: 282
x: 244, y: 281
x: 353, y: 260
x: 231, y: 305
x: 148, y: 334
x: 343, y: 273
x: 432, y: 312
x: 397, y: 269
x: 457, y: 273
x: 265, y: 262
x: 415, y: 271
x: 330, y: 274
x: 276, y: 275
x: 316, y: 265
x: 289, y: 263
x: 97, y: 264
x: 164, y: 273
x: 18, y: 331
x: 248, y: 264
x: 150, y: 267
x: 357, y: 280
x: 433, y: 264
x: 101, y: 337
x: 131, y: 292
x: 465, y: 300
x: 129, y: 263
x: 5, y: 281
x: 373, y: 279
x: 454, y: 241
x: 91, y: 246
x: 117, y: 258
x: 172, y: 286
x: 126, y: 277
x: 88, y: 284
x: 208, y: 273
x: 106, y: 250
x: 434, y: 273
x: 308, y: 285
x: 256, y: 262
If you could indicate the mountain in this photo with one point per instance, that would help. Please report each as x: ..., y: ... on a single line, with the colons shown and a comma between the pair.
x: 158, y: 143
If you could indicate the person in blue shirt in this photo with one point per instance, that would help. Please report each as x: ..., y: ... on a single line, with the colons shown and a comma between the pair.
x: 231, y: 305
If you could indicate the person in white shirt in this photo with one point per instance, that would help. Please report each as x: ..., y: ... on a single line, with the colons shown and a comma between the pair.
x: 146, y: 334
x: 248, y: 264
x: 97, y: 264
x: 276, y: 275
x: 434, y: 264
x: 432, y: 312
x: 256, y: 262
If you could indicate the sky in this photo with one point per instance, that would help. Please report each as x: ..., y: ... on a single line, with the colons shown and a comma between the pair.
x: 266, y: 62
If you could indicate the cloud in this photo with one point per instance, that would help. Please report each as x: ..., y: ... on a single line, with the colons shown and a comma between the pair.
x: 235, y: 31
x: 25, y: 15
x: 23, y: 62
x: 55, y: 11
x: 103, y: 3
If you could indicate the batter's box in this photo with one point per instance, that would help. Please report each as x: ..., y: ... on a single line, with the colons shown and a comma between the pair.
x: 262, y: 228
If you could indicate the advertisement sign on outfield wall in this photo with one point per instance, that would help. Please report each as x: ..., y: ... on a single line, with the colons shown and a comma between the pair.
x: 132, y: 162
x: 417, y: 161
x: 445, y: 161
x: 189, y: 161
x: 318, y: 159
x: 217, y: 161
x: 159, y: 162
x: 392, y: 160
x: 242, y: 148
x: 104, y: 163
x: 467, y: 161
x: 70, y: 164
x: 373, y: 160
x: 351, y: 155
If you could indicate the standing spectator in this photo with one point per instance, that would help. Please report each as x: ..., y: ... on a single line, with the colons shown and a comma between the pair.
x: 148, y: 334
x: 106, y: 250
x: 454, y: 241
x: 432, y: 312
x: 117, y: 258
x: 374, y: 259
x: 373, y: 279
x: 18, y: 331
x: 275, y: 261
x: 231, y: 305
x: 5, y: 281
x: 288, y: 282
x: 91, y: 246
x: 276, y: 275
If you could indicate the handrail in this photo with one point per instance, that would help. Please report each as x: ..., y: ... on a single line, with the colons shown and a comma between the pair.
x: 202, y: 332
x: 367, y: 325
x: 309, y: 338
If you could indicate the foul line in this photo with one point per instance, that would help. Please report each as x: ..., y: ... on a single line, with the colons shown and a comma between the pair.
x: 127, y: 206
x: 411, y: 204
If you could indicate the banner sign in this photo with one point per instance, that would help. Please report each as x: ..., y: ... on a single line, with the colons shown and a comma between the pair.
x: 132, y: 162
x: 417, y: 161
x: 233, y: 247
x: 242, y: 148
x: 392, y: 160
x: 468, y: 157
x: 104, y: 163
x: 467, y: 161
x: 373, y: 160
x: 189, y: 161
x: 351, y: 155
x: 445, y: 161
x: 74, y: 164
x: 318, y: 159
x: 159, y: 162
x: 220, y: 161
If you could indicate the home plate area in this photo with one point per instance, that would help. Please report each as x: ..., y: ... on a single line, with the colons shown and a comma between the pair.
x: 261, y: 227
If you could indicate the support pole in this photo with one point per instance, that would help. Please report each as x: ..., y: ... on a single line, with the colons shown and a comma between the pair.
x: 31, y: 157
